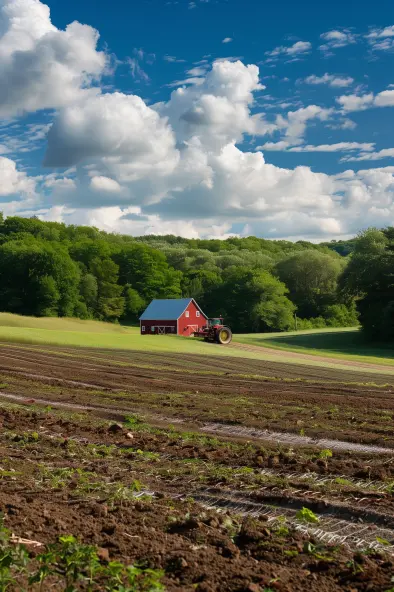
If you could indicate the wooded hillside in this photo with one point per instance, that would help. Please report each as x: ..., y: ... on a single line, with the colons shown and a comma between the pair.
x: 50, y: 269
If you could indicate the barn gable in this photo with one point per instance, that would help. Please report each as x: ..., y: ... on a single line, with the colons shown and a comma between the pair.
x: 167, y: 309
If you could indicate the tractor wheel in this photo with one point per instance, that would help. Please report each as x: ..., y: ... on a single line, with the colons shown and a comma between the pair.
x: 224, y: 336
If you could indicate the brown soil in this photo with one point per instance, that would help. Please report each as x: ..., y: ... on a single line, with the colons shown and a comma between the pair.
x: 219, y: 513
x: 320, y: 409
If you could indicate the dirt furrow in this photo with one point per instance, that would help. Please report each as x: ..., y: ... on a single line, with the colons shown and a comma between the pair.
x: 51, y: 379
x: 209, y: 428
x: 277, y: 369
x: 153, y: 380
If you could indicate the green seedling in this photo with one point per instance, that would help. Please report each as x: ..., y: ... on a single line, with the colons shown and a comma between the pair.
x: 132, y: 420
x: 71, y: 560
x: 325, y: 454
x: 10, y: 473
x: 314, y: 550
x: 341, y: 481
x: 142, y: 579
x: 101, y: 450
x: 355, y: 567
x: 232, y: 528
x: 13, y: 560
x: 281, y: 529
x: 390, y: 488
x: 306, y: 515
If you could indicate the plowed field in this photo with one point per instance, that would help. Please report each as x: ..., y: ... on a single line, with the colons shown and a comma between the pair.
x: 219, y: 474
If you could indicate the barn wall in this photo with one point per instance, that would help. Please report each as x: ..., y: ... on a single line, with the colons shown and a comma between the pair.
x: 187, y: 325
x: 169, y: 327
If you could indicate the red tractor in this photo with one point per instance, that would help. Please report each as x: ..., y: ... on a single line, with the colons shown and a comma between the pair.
x: 215, y: 332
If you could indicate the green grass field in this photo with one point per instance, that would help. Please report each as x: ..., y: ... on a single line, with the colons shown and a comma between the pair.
x: 78, y: 333
x: 337, y: 344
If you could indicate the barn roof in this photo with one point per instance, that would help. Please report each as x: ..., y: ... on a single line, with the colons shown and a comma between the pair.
x: 167, y: 309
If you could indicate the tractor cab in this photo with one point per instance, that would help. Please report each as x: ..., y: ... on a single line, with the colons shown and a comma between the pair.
x: 215, y: 322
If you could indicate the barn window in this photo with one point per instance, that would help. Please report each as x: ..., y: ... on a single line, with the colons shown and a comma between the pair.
x: 143, y: 328
x: 187, y: 314
x: 197, y: 313
x: 152, y: 329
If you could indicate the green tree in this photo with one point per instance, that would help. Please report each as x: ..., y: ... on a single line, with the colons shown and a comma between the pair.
x: 147, y: 271
x: 251, y: 300
x: 37, y: 278
x: 110, y: 302
x: 134, y: 305
x: 274, y: 311
x: 369, y: 279
x: 312, y: 280
x: 88, y: 288
x: 196, y: 284
x: 47, y: 296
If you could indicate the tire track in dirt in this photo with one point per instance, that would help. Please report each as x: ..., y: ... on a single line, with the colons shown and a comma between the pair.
x: 212, y: 428
x: 371, y: 486
x: 331, y: 528
x: 293, y: 439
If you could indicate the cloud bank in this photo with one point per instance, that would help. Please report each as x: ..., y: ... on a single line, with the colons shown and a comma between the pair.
x: 177, y: 166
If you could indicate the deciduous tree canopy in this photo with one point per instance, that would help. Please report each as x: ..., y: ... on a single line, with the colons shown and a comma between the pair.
x: 369, y: 279
x: 47, y: 268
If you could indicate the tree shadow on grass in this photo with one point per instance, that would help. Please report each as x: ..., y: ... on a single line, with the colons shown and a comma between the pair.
x: 341, y: 342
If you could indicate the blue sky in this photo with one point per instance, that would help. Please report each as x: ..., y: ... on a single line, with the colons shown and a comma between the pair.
x: 200, y: 118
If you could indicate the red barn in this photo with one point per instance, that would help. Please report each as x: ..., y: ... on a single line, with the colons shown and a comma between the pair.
x: 180, y: 316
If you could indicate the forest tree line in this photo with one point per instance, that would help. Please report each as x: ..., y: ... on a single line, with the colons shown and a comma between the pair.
x: 51, y: 269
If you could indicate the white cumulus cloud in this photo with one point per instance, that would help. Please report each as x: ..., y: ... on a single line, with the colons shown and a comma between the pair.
x: 296, y: 121
x: 13, y: 181
x: 293, y: 51
x: 330, y: 80
x: 381, y: 39
x: 40, y: 65
x: 218, y: 110
x: 105, y: 184
x: 362, y: 102
x: 335, y: 39
x: 356, y: 102
x: 120, y: 129
x: 385, y: 99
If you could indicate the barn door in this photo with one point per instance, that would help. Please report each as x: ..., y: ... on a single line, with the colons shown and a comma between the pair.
x: 161, y: 330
